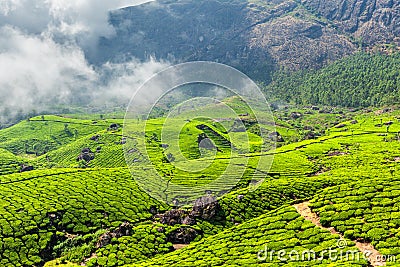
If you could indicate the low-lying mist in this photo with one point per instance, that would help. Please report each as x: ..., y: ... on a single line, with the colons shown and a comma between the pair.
x: 43, y: 58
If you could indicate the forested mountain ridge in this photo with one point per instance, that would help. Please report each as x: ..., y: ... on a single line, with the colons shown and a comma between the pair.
x: 255, y: 36
x: 360, y: 80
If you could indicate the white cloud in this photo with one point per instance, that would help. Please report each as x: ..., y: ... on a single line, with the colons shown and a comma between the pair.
x: 42, y: 58
x: 36, y: 70
x: 7, y: 6
x: 84, y: 20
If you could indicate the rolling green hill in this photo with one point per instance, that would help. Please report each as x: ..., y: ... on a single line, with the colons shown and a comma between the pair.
x: 9, y: 163
x: 92, y: 211
x: 282, y: 229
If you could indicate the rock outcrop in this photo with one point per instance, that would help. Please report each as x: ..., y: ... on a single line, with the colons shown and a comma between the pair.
x: 372, y: 21
x: 86, y: 155
x: 256, y: 37
x: 124, y: 229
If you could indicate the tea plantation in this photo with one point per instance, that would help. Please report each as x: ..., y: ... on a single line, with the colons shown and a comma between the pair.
x: 244, y: 245
x: 69, y: 198
x: 9, y: 163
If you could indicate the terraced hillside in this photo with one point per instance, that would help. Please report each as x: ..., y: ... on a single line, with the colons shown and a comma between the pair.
x: 283, y: 229
x: 81, y: 205
x: 9, y: 162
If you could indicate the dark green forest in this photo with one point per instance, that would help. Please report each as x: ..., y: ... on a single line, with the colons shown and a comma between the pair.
x: 360, y: 80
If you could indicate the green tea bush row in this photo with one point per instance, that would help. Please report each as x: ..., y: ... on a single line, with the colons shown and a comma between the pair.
x: 282, y: 229
x: 38, y: 136
x: 146, y: 242
x: 33, y: 211
x: 368, y: 211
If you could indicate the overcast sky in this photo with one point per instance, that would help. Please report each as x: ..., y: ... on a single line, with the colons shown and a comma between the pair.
x: 42, y: 58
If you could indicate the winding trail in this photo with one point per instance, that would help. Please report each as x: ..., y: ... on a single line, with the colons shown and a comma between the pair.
x: 374, y: 257
x: 179, y: 246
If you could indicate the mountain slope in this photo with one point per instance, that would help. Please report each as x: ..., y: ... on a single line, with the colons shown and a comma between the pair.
x: 374, y: 21
x: 251, y: 36
x: 361, y: 80
x: 254, y: 36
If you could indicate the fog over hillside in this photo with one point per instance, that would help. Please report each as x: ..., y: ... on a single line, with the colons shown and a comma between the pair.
x: 44, y: 46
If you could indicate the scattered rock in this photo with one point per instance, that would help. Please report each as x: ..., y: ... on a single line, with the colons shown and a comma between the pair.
x: 388, y: 123
x: 169, y: 158
x: 308, y: 128
x: 296, y: 115
x: 240, y: 197
x: 165, y: 146
x: 340, y: 126
x: 113, y: 127
x: 133, y: 150
x: 205, y: 207
x: 276, y: 137
x: 382, y: 111
x: 337, y: 153
x: 104, y: 240
x: 183, y: 235
x: 188, y: 220
x: 25, y: 168
x: 354, y: 122
x: 95, y: 138
x: 86, y: 155
x: 153, y: 210
x: 172, y: 217
x: 310, y: 135
x: 86, y: 150
x: 205, y: 142
x: 325, y: 111
x: 124, y: 230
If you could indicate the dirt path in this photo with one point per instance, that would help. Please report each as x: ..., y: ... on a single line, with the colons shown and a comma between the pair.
x: 179, y: 246
x: 374, y: 257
